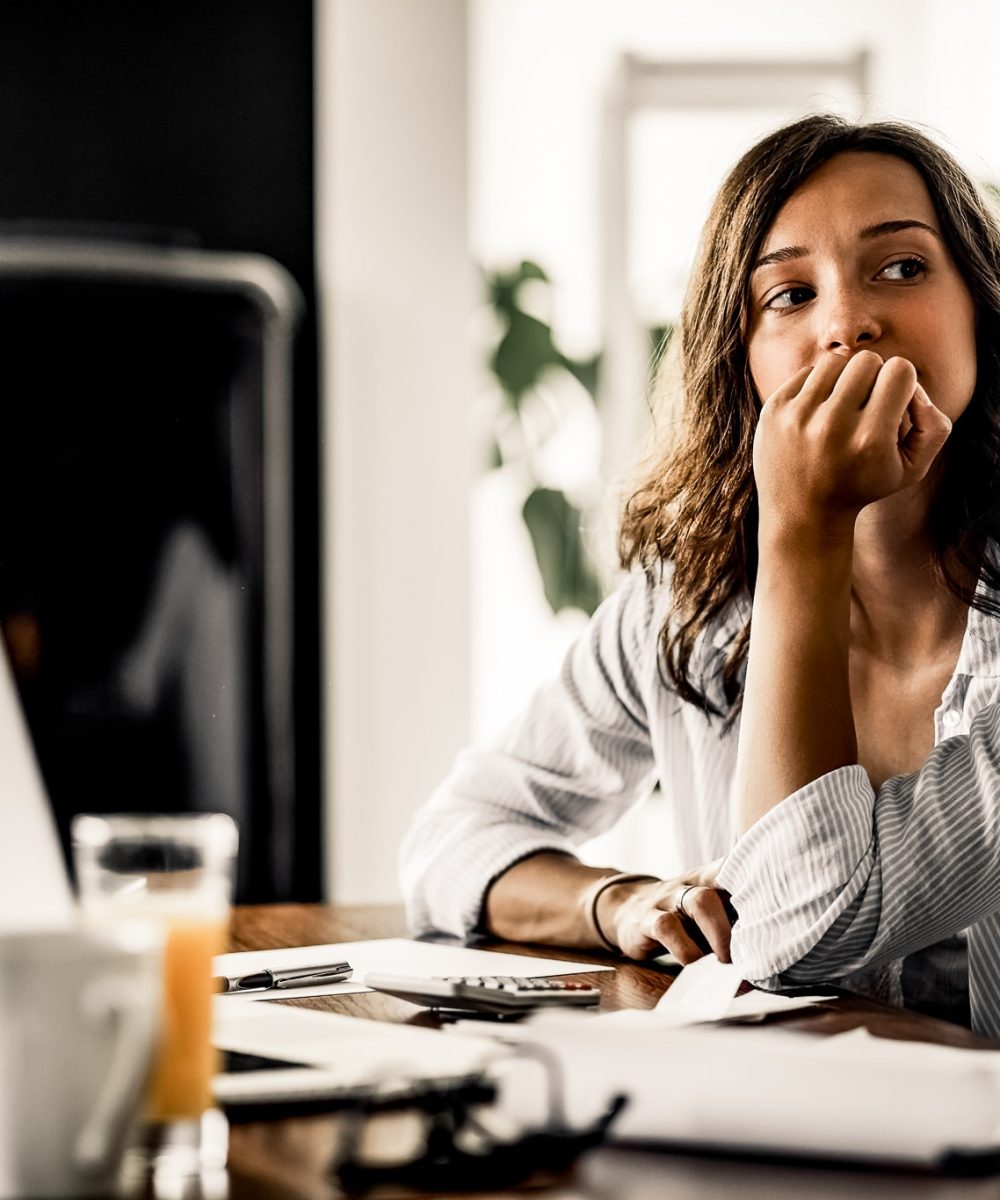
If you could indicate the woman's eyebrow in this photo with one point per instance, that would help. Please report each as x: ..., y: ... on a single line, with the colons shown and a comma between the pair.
x: 787, y: 253
x: 884, y: 227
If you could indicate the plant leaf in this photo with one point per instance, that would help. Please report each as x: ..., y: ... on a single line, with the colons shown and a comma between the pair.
x: 567, y: 576
x: 524, y: 352
x: 586, y: 371
x: 530, y: 270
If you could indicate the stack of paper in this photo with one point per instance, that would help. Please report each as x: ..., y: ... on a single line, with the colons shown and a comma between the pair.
x: 692, y: 1083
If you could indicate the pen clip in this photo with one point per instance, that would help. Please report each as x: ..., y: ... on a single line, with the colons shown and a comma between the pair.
x: 303, y: 976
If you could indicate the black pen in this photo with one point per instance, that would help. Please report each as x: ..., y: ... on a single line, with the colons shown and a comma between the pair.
x: 265, y: 981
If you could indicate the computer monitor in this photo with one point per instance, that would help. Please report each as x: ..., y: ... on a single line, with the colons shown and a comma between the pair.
x: 146, y: 563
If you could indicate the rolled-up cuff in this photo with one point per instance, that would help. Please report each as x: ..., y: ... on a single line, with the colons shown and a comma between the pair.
x: 798, y: 870
x: 450, y: 900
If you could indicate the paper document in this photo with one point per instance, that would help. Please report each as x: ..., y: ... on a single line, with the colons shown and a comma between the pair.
x: 396, y: 956
x: 361, y: 1052
x: 706, y: 991
x: 762, y: 1090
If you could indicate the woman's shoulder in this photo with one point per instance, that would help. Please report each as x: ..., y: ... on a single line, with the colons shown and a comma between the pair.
x: 638, y: 602
x: 640, y: 608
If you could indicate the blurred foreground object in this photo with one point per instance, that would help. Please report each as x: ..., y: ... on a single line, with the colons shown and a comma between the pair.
x: 146, y: 566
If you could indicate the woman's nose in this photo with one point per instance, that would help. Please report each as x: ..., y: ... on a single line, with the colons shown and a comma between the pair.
x: 850, y: 324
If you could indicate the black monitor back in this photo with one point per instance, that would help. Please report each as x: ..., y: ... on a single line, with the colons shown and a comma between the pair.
x: 145, y: 552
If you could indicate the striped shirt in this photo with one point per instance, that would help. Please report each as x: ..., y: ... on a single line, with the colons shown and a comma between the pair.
x: 591, y: 743
x: 838, y: 876
x: 596, y: 740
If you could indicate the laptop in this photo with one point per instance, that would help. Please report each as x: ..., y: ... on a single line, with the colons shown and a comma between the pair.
x: 35, y: 891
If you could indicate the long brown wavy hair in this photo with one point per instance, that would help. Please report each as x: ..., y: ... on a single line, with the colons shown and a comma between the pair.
x: 695, y: 506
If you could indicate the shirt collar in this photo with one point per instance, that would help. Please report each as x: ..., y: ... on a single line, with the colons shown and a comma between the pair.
x: 980, y: 652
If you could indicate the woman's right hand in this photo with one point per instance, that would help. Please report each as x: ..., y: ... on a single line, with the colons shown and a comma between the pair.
x: 688, y: 915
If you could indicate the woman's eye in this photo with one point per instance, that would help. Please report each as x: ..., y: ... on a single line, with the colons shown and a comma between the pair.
x: 790, y: 298
x: 904, y: 268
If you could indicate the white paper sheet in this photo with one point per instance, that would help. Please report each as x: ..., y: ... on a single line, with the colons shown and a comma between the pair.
x: 360, y: 1052
x: 706, y: 991
x: 399, y: 956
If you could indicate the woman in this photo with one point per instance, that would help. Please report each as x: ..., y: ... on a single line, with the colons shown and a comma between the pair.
x: 849, y: 279
x: 870, y: 734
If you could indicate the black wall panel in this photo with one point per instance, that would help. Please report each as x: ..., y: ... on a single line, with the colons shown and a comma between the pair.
x: 185, y: 122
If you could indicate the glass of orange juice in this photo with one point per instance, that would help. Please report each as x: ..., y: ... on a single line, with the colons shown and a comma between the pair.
x: 176, y: 871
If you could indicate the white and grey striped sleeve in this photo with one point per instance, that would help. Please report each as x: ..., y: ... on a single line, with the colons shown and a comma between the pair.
x: 837, y: 877
x: 566, y: 770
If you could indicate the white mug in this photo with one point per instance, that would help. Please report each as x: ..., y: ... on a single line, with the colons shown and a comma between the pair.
x: 80, y: 1014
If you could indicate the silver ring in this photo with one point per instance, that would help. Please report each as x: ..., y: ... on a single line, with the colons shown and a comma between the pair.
x: 680, y: 903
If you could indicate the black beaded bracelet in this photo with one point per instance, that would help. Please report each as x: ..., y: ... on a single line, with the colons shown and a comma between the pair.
x: 603, y: 884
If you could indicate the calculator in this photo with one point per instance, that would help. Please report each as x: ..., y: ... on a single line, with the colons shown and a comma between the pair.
x: 485, y: 993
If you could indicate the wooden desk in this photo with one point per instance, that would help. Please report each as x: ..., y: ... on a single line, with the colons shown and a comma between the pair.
x: 289, y: 1159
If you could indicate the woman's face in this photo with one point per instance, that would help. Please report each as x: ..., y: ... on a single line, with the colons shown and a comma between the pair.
x: 856, y: 260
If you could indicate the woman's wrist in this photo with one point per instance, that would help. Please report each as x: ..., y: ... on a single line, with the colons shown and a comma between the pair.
x: 786, y: 536
x: 605, y: 899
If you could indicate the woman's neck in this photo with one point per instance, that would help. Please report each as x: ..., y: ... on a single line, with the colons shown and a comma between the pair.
x: 901, y: 610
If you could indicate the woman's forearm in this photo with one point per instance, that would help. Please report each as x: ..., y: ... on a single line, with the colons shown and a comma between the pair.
x: 827, y: 445
x: 555, y: 900
x: 797, y: 723
x: 546, y: 898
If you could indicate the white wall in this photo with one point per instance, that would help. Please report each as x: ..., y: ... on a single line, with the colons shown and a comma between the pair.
x: 409, y: 89
x: 539, y: 73
x: 397, y: 291
x: 540, y: 69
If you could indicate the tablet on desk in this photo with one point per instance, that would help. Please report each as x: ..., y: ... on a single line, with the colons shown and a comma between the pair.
x: 281, y: 1061
x: 256, y: 1087
x: 249, y: 1086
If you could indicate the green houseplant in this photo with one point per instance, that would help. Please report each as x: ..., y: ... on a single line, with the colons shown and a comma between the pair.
x: 522, y: 358
x: 524, y: 355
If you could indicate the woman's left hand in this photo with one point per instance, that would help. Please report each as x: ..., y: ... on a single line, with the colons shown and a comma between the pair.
x: 842, y: 434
